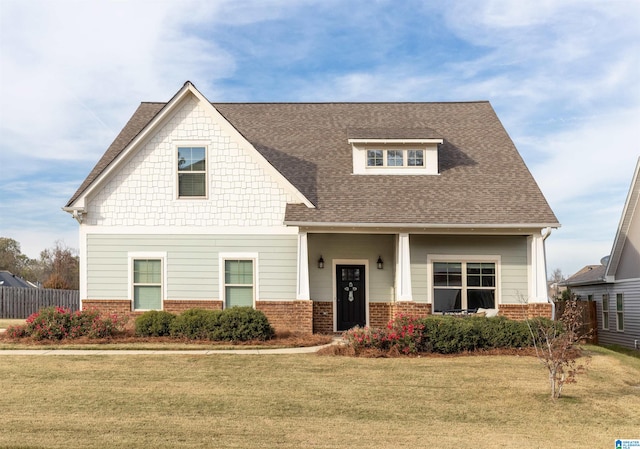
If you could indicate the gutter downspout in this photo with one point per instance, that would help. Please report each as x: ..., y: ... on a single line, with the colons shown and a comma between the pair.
x: 544, y: 248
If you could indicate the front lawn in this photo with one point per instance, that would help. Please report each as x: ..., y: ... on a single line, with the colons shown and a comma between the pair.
x: 6, y: 322
x: 312, y: 401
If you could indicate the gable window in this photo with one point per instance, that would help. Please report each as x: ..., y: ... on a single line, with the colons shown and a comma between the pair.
x: 147, y: 284
x: 605, y: 311
x: 620, y: 312
x: 239, y: 285
x: 463, y: 285
x: 192, y: 172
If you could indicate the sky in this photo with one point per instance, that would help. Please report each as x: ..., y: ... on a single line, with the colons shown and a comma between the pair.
x: 563, y: 77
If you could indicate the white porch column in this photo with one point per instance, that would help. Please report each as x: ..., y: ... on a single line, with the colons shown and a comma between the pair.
x: 537, y: 269
x: 302, y: 288
x: 403, y: 269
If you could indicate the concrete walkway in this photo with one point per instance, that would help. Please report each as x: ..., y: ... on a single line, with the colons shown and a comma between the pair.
x: 305, y: 350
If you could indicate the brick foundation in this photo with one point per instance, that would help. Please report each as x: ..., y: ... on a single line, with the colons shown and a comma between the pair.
x: 118, y: 306
x: 522, y: 311
x: 288, y: 316
x: 179, y: 306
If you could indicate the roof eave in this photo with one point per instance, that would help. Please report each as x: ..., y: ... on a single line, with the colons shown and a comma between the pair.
x: 470, y: 226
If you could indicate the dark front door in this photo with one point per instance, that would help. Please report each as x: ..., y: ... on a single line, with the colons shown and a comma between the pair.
x: 350, y: 296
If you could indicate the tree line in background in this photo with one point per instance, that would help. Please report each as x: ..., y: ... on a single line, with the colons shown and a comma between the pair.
x: 57, y: 267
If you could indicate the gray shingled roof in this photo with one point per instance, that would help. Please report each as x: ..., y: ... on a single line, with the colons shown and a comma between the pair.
x: 483, y: 179
x: 8, y: 279
x: 591, y: 274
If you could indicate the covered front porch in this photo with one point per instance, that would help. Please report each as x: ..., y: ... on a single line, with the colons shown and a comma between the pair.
x: 366, y: 278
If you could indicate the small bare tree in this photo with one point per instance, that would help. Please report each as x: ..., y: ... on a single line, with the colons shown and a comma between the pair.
x: 556, y: 347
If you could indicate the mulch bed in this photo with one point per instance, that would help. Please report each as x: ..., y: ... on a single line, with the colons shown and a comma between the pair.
x: 280, y: 340
x: 341, y: 350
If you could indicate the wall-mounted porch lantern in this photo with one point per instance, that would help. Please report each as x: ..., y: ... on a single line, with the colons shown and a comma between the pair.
x: 380, y: 265
x: 321, y: 262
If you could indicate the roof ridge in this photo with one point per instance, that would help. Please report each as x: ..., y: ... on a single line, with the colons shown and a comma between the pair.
x: 330, y: 102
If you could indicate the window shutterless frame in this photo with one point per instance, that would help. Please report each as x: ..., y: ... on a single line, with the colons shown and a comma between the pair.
x: 463, y: 282
x: 394, y: 158
x: 238, y: 279
x: 620, y: 312
x: 147, y: 280
x: 605, y: 311
x: 191, y: 171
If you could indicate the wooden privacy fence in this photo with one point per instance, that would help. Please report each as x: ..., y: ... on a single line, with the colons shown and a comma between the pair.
x: 17, y: 302
x: 589, y: 317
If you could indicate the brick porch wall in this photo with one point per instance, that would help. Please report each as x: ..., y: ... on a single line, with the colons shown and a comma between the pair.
x: 322, y: 317
x: 522, y: 311
x: 291, y: 316
x: 379, y: 313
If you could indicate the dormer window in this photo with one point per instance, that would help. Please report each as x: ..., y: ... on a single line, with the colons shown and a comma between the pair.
x: 395, y: 156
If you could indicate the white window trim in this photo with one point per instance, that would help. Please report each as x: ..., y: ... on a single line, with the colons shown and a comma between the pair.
x: 385, y: 158
x: 431, y: 258
x: 428, y: 146
x: 605, y: 320
x: 618, y: 312
x: 334, y: 264
x: 156, y: 255
x: 186, y: 144
x: 237, y: 256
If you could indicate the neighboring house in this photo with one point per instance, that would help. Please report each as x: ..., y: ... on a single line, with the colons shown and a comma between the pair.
x: 615, y: 283
x: 322, y: 215
x: 8, y: 279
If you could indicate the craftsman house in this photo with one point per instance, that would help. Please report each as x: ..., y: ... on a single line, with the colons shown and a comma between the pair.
x: 322, y: 215
x: 615, y: 283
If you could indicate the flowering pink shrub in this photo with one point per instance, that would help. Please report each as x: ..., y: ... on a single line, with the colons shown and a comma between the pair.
x: 403, y: 334
x: 57, y: 323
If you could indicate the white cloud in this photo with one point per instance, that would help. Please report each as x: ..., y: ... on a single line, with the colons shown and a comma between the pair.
x: 84, y: 66
x: 561, y: 75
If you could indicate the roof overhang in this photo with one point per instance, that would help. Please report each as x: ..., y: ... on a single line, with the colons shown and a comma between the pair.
x: 395, y: 141
x: 440, y: 228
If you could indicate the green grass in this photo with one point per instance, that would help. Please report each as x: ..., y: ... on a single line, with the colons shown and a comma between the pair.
x: 6, y: 322
x: 311, y: 401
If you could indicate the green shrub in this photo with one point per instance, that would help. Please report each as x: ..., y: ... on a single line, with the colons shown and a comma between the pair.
x: 196, y: 324
x: 242, y: 324
x: 57, y: 323
x: 154, y: 323
x: 443, y: 334
x: 448, y: 335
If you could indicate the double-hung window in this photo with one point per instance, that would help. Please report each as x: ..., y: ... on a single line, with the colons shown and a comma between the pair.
x: 239, y: 282
x: 605, y: 311
x: 147, y: 284
x: 620, y: 312
x: 192, y: 172
x: 460, y: 285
